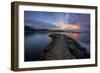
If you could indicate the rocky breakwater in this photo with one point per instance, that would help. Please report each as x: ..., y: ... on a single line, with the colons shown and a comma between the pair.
x: 63, y: 47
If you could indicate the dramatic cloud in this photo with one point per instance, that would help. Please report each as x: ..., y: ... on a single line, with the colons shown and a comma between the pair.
x: 66, y: 21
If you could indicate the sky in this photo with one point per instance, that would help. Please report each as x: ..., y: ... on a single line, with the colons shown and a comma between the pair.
x: 61, y: 20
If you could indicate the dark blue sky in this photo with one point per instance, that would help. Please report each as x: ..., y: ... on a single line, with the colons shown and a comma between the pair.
x: 35, y: 18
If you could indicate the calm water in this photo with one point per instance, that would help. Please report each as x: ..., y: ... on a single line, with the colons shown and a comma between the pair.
x: 35, y: 43
x: 82, y: 38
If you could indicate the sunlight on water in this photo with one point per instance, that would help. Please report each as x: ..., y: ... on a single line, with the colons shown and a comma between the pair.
x: 82, y: 38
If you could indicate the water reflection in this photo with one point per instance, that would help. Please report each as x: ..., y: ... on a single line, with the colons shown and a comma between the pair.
x: 75, y: 35
x: 36, y: 42
x: 82, y: 38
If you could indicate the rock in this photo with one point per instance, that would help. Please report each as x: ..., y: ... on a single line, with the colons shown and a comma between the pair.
x: 63, y: 47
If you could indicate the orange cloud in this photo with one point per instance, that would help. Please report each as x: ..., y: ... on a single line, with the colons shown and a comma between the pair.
x: 68, y: 26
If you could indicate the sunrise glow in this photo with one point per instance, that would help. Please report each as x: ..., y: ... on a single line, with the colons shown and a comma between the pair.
x: 68, y: 26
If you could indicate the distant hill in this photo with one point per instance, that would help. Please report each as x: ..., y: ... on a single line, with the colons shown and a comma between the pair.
x: 27, y: 28
x: 31, y: 29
